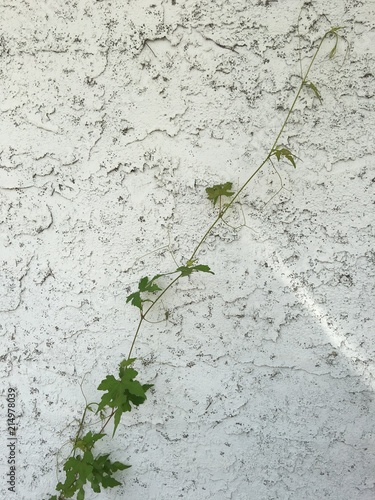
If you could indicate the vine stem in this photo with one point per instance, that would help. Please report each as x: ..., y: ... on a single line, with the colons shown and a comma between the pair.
x: 230, y: 204
x: 270, y: 152
x: 143, y: 315
x: 215, y: 222
x: 80, y: 428
x: 140, y: 322
x: 219, y: 217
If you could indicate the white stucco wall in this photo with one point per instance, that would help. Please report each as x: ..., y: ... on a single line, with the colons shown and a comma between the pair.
x: 115, y: 117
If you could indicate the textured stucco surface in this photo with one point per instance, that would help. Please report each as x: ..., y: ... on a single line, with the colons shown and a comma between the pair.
x: 115, y: 117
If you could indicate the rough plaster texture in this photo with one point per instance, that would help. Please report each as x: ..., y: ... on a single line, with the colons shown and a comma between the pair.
x: 115, y: 117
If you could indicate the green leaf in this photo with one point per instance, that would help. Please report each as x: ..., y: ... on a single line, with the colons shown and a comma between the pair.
x: 145, y: 285
x: 333, y: 51
x: 88, y: 441
x: 109, y: 482
x: 311, y: 86
x: 121, y: 392
x: 119, y: 466
x: 218, y: 190
x: 81, y: 494
x: 82, y: 469
x: 187, y: 270
x: 125, y: 363
x: 333, y: 31
x: 203, y: 268
x: 135, y: 299
x: 281, y: 152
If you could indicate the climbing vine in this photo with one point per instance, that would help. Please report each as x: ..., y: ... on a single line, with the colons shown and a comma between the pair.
x: 122, y: 392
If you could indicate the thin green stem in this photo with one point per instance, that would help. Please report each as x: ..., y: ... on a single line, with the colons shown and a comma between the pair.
x: 144, y: 314
x: 80, y: 428
x: 141, y: 320
x: 107, y: 420
x: 303, y: 82
x: 222, y: 212
x: 205, y: 235
x: 209, y: 230
x: 270, y: 152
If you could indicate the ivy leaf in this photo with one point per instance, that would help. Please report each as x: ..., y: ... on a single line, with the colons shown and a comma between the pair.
x: 280, y: 152
x: 87, y: 442
x: 218, y: 190
x: 145, y: 285
x: 122, y: 391
x: 187, y: 270
x: 135, y: 299
x: 125, y: 363
x: 82, y: 469
x: 311, y: 86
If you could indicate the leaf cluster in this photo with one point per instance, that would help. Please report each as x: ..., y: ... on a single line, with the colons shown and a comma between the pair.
x: 98, y: 471
x: 122, y: 391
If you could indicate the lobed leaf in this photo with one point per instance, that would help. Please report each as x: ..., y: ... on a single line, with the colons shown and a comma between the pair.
x: 135, y: 299
x: 145, y: 285
x: 281, y: 152
x: 218, y: 190
x: 121, y: 392
x: 82, y: 469
x: 87, y: 442
x: 187, y: 270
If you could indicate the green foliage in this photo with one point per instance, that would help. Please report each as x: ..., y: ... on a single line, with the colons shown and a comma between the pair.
x: 334, y: 31
x: 135, y: 299
x: 281, y: 152
x: 144, y: 285
x: 122, y: 391
x: 87, y: 442
x: 97, y: 471
x: 313, y: 87
x: 187, y: 270
x: 215, y: 192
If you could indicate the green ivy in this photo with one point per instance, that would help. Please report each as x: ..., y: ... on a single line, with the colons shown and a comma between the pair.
x: 124, y: 392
